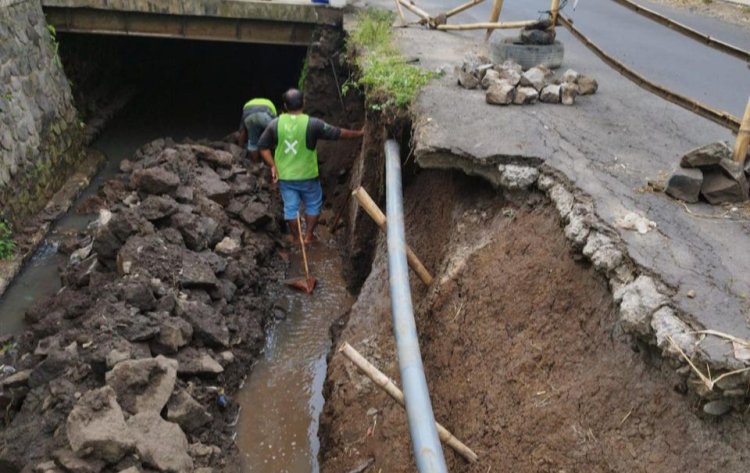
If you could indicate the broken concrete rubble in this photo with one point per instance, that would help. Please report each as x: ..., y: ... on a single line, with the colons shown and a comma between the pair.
x: 525, y: 96
x: 685, y: 184
x: 143, y: 385
x: 501, y: 93
x: 159, y: 443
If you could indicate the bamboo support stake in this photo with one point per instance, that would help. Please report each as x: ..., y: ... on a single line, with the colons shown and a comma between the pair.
x: 463, y: 7
x: 743, y: 136
x: 385, y: 383
x: 488, y: 26
x: 415, y: 9
x: 554, y: 11
x: 497, y: 7
x: 400, y: 12
x: 377, y: 215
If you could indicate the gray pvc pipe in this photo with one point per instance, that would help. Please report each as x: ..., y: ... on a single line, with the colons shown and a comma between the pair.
x: 427, y: 449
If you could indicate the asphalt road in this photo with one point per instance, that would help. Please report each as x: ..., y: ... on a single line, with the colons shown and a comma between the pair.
x: 662, y: 55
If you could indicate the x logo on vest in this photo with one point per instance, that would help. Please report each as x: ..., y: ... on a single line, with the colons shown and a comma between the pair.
x: 291, y: 148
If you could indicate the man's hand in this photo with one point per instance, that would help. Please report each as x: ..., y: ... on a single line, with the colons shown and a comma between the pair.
x: 347, y: 134
x: 274, y: 175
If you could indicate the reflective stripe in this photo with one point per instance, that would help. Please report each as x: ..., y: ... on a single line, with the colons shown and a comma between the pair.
x: 261, y: 103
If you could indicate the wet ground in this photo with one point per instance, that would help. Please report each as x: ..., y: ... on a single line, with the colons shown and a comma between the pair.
x: 283, y: 397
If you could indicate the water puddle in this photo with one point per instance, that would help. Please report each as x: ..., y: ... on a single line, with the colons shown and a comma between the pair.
x: 283, y: 397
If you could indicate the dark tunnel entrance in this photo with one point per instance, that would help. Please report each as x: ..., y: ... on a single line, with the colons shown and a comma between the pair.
x: 183, y: 88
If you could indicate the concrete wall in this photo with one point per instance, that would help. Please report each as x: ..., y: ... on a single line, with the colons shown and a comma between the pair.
x: 40, y: 140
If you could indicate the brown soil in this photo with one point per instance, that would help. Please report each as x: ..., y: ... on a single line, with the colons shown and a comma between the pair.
x: 522, y: 352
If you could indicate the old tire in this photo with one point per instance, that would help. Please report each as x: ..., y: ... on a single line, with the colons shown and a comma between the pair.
x: 527, y: 55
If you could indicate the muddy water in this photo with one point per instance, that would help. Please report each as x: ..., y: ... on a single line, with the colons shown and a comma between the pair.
x: 282, y: 399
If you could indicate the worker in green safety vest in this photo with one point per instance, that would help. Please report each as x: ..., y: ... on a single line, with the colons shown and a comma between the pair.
x: 294, y: 164
x: 256, y: 115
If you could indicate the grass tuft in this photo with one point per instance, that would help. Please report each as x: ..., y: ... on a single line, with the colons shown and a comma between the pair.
x: 7, y: 245
x: 383, y: 73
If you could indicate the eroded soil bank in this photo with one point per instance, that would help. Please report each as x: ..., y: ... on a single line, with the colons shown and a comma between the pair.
x: 523, y: 355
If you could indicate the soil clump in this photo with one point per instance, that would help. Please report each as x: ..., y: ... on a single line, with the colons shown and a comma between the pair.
x: 164, y: 306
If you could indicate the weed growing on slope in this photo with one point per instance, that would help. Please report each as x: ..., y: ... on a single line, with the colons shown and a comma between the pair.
x: 7, y: 245
x: 383, y: 72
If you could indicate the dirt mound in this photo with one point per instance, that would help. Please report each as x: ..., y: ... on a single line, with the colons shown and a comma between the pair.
x: 173, y: 272
x: 523, y: 355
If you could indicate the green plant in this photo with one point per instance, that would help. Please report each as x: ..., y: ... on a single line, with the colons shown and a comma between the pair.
x: 55, y: 44
x: 303, y: 75
x: 7, y: 245
x: 386, y: 77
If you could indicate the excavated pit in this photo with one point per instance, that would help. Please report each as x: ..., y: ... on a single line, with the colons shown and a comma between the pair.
x: 524, y: 357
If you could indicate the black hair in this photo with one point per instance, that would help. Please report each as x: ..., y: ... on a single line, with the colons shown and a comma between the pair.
x: 294, y: 100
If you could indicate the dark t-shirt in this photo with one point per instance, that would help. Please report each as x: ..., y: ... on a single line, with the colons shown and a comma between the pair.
x: 317, y: 129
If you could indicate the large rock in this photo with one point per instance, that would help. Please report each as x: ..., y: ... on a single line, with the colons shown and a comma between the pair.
x: 568, y: 93
x: 570, y: 76
x: 706, y: 156
x: 210, y: 184
x: 213, y: 156
x: 639, y: 300
x: 727, y: 184
x: 72, y: 463
x: 157, y: 207
x: 155, y: 181
x: 550, y: 94
x: 587, y: 85
x: 197, y: 231
x: 227, y: 247
x: 143, y: 385
x: 510, y: 72
x: 255, y: 214
x: 525, y: 95
x: 196, y: 272
x: 96, y: 427
x: 490, y: 77
x: 174, y: 333
x: 186, y: 412
x: 467, y: 80
x: 208, y: 324
x: 160, y: 444
x: 685, y: 184
x: 501, y: 93
x: 535, y: 77
x: 197, y: 363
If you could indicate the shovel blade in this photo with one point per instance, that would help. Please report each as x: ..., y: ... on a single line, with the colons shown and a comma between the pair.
x: 300, y: 284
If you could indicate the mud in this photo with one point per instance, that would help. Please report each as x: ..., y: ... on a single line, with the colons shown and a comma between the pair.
x: 525, y: 361
x: 151, y: 263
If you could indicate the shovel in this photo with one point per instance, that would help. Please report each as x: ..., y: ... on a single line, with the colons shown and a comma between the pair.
x: 308, y: 283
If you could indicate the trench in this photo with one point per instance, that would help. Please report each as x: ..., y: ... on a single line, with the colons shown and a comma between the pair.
x: 195, y: 90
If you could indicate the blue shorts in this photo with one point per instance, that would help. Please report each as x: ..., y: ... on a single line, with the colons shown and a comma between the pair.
x: 256, y: 124
x: 308, y: 192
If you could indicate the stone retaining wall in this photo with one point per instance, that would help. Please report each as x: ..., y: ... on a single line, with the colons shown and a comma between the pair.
x: 40, y: 140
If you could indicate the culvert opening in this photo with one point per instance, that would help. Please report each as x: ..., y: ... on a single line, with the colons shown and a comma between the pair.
x: 522, y: 353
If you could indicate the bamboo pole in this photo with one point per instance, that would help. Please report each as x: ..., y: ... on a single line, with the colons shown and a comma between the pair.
x: 400, y: 12
x: 461, y: 8
x: 488, y: 26
x: 554, y: 11
x: 377, y: 215
x: 415, y: 9
x: 743, y: 136
x: 494, y: 17
x: 385, y: 383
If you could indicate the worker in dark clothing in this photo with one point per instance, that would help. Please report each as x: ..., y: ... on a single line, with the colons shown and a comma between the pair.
x: 294, y: 165
x: 256, y: 115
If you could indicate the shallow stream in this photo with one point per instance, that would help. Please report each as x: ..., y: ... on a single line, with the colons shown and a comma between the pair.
x: 283, y: 397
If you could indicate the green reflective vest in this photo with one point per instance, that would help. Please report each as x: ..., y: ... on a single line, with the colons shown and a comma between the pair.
x: 294, y: 161
x: 261, y: 102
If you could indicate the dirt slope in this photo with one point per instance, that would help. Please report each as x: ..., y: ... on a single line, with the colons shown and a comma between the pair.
x: 522, y: 352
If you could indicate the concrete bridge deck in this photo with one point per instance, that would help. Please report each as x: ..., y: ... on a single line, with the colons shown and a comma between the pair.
x: 252, y: 21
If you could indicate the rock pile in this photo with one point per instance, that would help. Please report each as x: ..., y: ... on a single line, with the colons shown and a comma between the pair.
x: 709, y: 171
x: 164, y: 305
x: 508, y: 83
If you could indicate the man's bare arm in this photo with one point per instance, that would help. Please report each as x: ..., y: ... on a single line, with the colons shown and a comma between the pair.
x: 268, y: 158
x: 347, y: 134
x: 242, y: 137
